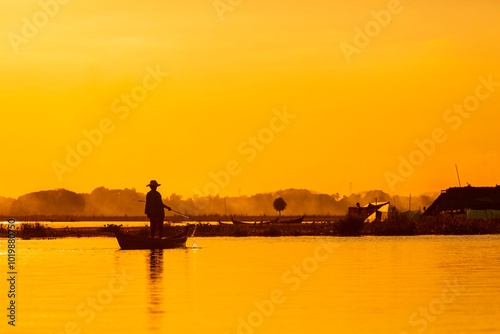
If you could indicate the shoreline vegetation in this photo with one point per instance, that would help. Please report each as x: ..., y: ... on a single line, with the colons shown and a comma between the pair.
x: 168, y: 218
x: 397, y: 225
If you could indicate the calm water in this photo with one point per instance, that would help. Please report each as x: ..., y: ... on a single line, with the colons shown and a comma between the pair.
x: 431, y: 284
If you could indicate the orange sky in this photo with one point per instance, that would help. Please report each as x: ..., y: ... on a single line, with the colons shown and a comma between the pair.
x: 226, y: 81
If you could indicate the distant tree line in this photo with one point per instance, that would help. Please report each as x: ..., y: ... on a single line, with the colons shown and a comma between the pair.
x: 120, y: 202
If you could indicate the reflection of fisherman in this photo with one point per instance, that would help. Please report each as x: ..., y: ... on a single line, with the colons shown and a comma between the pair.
x: 155, y: 209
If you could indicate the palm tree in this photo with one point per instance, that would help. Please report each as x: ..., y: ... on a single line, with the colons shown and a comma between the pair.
x: 279, y: 205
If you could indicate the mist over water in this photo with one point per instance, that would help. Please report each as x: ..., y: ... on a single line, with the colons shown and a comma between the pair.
x: 121, y: 202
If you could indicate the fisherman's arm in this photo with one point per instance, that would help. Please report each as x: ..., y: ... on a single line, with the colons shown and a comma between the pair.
x: 165, y: 206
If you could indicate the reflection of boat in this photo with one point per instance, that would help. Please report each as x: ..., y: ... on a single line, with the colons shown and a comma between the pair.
x: 128, y: 241
x: 292, y: 221
x: 224, y: 223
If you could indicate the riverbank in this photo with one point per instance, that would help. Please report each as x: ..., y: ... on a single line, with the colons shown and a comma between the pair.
x: 344, y: 227
x: 168, y: 218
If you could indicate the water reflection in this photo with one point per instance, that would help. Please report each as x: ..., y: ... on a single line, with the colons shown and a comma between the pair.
x: 155, y: 287
x: 367, y: 285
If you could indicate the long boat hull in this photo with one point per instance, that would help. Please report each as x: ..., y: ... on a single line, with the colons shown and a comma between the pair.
x: 238, y: 222
x: 292, y: 221
x: 275, y: 221
x: 127, y: 241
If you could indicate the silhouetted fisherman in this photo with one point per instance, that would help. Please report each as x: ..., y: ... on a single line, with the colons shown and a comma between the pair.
x: 155, y: 209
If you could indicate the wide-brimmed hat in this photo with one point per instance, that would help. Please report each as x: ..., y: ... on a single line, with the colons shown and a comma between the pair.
x: 153, y: 183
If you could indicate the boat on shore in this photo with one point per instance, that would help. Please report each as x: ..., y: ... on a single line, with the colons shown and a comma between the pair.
x: 127, y: 241
x: 274, y: 221
x: 291, y: 221
x: 239, y: 222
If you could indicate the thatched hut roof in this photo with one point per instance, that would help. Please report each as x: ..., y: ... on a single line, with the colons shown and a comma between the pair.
x: 460, y: 199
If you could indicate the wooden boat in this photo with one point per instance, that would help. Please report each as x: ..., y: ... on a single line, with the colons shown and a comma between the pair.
x: 127, y: 241
x: 291, y: 221
x: 238, y: 222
